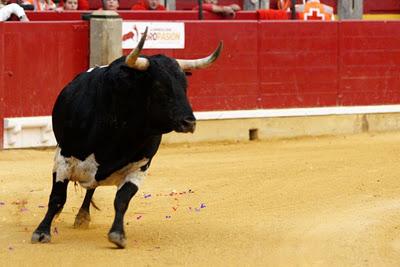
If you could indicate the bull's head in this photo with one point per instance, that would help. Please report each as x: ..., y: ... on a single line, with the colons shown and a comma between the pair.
x: 169, y: 106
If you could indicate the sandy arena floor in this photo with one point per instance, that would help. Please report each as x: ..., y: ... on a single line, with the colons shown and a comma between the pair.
x: 331, y: 201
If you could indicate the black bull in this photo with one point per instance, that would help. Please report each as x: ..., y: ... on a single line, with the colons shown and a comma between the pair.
x: 108, y: 123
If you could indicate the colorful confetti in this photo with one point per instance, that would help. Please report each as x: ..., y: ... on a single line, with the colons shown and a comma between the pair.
x: 147, y: 195
x: 202, y: 206
x: 20, y: 202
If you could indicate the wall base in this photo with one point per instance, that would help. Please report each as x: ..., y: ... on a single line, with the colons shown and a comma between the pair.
x: 237, y: 125
x: 287, y: 127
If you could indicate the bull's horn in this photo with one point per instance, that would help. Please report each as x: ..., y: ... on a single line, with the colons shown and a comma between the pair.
x: 133, y: 60
x: 189, y: 64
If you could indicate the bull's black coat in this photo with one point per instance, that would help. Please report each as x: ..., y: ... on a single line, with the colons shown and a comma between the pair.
x: 119, y: 113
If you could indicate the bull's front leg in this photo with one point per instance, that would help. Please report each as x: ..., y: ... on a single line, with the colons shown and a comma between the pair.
x: 57, y: 200
x: 121, y: 203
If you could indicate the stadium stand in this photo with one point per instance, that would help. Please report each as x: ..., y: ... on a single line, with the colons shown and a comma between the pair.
x: 188, y: 5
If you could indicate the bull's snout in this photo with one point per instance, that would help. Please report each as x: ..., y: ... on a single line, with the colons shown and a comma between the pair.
x: 187, y: 125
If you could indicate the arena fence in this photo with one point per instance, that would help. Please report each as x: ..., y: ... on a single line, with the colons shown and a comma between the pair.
x: 267, y: 70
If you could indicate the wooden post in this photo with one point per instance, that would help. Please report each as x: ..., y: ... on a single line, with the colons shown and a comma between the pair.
x: 105, y: 37
x: 350, y: 9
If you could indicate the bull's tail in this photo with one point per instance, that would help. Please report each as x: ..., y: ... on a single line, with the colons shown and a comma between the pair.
x: 94, y: 205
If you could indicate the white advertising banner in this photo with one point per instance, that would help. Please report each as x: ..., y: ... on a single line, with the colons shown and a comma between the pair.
x: 160, y: 35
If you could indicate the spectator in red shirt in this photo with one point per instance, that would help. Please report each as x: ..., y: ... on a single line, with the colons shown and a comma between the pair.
x: 148, y: 5
x: 226, y: 11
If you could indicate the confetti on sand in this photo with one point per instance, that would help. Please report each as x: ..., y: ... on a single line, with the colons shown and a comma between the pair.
x: 139, y: 217
x: 167, y: 217
x: 20, y: 202
x: 23, y: 210
x: 2, y: 203
x: 147, y: 195
x: 41, y: 206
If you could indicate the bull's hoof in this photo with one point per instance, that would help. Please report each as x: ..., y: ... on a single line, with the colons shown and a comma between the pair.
x: 82, y: 220
x: 117, y: 238
x: 40, y: 237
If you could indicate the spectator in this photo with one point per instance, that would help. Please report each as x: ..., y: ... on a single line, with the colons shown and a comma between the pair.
x: 68, y: 5
x: 110, y: 4
x: 148, y: 5
x: 81, y: 5
x: 42, y: 5
x: 284, y: 5
x: 6, y: 10
x: 71, y: 5
x: 226, y: 11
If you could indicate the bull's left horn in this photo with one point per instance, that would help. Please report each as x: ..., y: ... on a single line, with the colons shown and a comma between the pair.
x: 133, y: 60
x: 190, y: 64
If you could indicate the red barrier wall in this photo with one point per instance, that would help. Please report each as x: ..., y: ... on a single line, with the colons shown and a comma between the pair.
x: 369, y: 62
x: 37, y: 59
x: 2, y: 103
x: 263, y: 65
x: 298, y: 64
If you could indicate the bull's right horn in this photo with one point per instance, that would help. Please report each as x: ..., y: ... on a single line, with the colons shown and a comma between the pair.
x: 133, y: 60
x: 190, y: 64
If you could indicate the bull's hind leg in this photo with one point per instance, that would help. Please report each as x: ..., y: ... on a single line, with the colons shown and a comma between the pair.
x: 82, y: 219
x: 57, y: 200
x: 121, y: 203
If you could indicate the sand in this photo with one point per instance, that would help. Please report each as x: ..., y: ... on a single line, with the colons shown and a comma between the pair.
x: 327, y: 201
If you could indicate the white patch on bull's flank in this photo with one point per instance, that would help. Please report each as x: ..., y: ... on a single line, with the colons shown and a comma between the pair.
x: 130, y: 172
x: 85, y: 171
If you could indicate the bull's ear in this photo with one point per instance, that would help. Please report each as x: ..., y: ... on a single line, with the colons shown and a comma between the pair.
x: 188, y: 73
